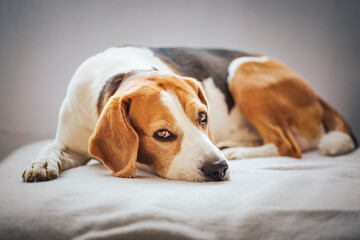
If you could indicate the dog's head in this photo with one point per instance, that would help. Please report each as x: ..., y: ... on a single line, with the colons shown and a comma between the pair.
x: 160, y: 120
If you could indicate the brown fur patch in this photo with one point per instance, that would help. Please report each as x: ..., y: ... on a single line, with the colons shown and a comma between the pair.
x: 276, y: 100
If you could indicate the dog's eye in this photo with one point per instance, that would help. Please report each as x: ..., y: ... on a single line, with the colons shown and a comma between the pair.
x: 164, y: 135
x: 203, y: 118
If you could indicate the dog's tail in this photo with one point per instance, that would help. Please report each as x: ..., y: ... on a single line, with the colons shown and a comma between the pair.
x: 339, y: 138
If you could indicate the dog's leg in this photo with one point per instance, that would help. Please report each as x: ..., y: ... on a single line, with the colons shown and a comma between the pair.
x: 52, y: 159
x: 227, y: 144
x: 237, y: 150
x: 267, y: 150
x: 277, y: 102
x: 230, y: 144
x: 277, y: 141
x: 69, y: 149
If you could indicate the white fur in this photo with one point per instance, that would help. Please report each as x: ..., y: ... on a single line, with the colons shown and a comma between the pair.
x: 237, y: 62
x: 196, y: 148
x: 336, y: 143
x: 227, y: 126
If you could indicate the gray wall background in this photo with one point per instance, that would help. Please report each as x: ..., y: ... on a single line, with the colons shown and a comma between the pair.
x: 42, y: 42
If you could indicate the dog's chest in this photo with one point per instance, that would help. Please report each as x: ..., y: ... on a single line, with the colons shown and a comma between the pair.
x: 225, y: 125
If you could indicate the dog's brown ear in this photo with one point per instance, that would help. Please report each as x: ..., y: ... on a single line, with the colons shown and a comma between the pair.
x: 114, y: 140
x: 196, y: 85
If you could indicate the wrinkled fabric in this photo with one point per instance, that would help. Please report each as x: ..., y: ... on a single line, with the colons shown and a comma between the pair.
x: 316, y: 197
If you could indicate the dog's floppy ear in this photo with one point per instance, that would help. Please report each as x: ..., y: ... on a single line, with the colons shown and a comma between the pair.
x: 195, y: 84
x: 202, y: 96
x: 114, y: 140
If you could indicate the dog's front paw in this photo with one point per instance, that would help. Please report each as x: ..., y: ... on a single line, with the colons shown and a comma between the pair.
x: 234, y: 153
x: 267, y: 150
x: 42, y: 171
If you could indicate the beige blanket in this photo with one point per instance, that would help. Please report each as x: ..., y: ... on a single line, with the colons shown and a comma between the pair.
x: 267, y: 198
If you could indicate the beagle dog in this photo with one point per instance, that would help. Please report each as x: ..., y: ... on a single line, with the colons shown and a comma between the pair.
x: 185, y: 112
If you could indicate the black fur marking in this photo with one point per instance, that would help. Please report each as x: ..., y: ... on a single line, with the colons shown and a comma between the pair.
x: 111, y: 86
x: 202, y: 64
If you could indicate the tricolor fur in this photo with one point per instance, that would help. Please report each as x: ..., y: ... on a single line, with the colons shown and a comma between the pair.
x: 170, y: 107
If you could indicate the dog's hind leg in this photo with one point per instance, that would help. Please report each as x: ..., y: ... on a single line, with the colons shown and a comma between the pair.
x: 276, y: 101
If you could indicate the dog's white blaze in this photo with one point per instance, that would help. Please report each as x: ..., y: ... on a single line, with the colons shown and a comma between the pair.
x: 196, y: 147
x: 237, y: 62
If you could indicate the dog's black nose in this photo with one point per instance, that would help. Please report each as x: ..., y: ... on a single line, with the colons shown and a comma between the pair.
x: 216, y: 171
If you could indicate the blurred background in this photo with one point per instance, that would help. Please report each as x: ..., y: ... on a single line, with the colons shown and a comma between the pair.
x: 42, y: 43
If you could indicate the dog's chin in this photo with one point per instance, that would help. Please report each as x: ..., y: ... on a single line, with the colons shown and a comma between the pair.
x: 198, y: 178
x: 225, y: 178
